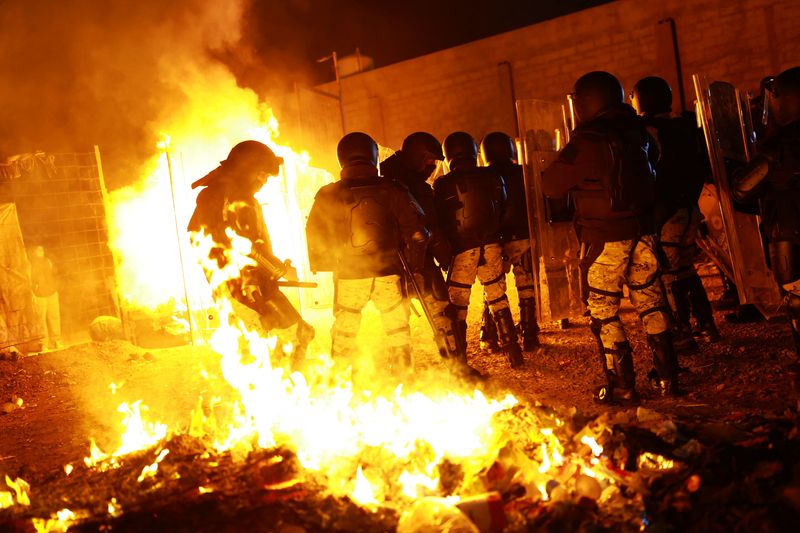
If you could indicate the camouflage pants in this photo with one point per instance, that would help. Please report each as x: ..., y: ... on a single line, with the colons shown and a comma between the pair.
x: 519, y: 261
x: 352, y: 295
x: 677, y: 242
x: 631, y: 263
x: 485, y: 263
x: 437, y: 309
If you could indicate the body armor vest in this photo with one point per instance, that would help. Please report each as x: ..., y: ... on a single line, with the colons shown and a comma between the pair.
x: 470, y: 202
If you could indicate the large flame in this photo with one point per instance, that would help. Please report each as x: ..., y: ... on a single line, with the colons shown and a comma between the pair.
x: 376, y: 440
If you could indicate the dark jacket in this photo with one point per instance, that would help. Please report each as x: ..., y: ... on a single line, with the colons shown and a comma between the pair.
x: 597, y: 151
x: 682, y: 165
x: 357, y: 225
x: 773, y: 176
x: 395, y: 168
x: 470, y: 202
x: 222, y: 206
x: 515, y: 214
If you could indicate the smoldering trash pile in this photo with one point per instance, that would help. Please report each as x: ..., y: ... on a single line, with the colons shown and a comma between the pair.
x: 552, y: 471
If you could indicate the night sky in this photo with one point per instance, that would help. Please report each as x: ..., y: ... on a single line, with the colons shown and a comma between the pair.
x: 303, y: 30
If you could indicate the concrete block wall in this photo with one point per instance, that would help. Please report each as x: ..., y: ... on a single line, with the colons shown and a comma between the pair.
x: 469, y: 87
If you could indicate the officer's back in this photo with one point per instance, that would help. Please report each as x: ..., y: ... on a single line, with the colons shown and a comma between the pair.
x: 360, y: 222
x: 470, y: 202
x: 606, y: 167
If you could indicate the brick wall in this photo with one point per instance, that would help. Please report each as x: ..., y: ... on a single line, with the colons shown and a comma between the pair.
x: 469, y: 87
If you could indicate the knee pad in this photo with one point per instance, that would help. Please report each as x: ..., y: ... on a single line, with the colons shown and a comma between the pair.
x: 596, y: 324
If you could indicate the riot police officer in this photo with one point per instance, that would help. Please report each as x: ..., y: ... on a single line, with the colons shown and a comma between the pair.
x: 606, y: 168
x: 355, y: 229
x: 499, y: 152
x: 227, y: 202
x: 773, y: 176
x: 412, y: 165
x: 470, y: 202
x: 680, y: 174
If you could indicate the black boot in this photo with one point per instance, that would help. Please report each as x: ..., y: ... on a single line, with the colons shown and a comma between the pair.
x: 678, y: 294
x: 665, y: 362
x: 624, y: 376
x: 488, y: 331
x: 528, y: 324
x: 304, y: 335
x: 507, y: 336
x: 620, y: 377
x: 745, y: 314
x: 730, y: 296
x: 457, y: 362
x: 701, y: 309
x: 618, y: 374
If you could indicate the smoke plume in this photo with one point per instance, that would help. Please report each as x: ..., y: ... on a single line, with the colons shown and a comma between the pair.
x: 110, y: 73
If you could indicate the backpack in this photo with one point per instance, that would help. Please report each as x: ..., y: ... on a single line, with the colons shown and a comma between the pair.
x: 631, y: 182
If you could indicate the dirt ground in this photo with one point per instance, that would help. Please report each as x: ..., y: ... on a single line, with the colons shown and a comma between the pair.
x: 72, y: 394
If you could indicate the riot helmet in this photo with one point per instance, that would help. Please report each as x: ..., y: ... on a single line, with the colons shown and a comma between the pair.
x: 247, y: 167
x: 421, y: 151
x: 460, y: 147
x: 596, y: 92
x: 357, y: 148
x: 497, y: 147
x: 785, y: 91
x: 652, y: 96
x: 253, y: 156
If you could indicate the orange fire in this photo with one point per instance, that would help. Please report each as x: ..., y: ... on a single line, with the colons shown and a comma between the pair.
x: 376, y: 441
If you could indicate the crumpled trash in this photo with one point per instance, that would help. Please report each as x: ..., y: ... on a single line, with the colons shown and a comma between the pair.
x: 657, y: 423
x: 434, y: 515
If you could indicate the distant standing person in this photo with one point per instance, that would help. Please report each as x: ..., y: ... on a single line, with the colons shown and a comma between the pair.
x: 45, y: 292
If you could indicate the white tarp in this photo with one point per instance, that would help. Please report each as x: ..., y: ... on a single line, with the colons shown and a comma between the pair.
x: 19, y: 325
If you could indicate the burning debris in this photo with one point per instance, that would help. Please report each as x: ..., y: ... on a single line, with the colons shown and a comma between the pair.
x: 545, y: 471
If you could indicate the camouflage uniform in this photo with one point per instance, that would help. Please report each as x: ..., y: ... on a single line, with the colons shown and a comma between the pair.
x: 619, y: 224
x: 520, y: 263
x: 412, y: 166
x: 684, y: 289
x: 485, y: 263
x: 499, y: 151
x: 356, y: 228
x: 678, y: 236
x: 470, y: 201
x: 680, y: 170
x: 633, y: 263
x: 386, y: 292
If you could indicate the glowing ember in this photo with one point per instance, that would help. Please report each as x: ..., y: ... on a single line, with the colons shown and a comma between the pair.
x: 19, y: 496
x: 591, y: 443
x: 60, y: 521
x: 151, y: 469
x: 653, y: 461
x: 114, y: 509
x: 138, y: 435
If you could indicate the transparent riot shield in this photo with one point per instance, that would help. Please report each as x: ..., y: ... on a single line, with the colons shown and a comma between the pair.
x: 554, y: 242
x: 722, y: 115
x: 713, y: 241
